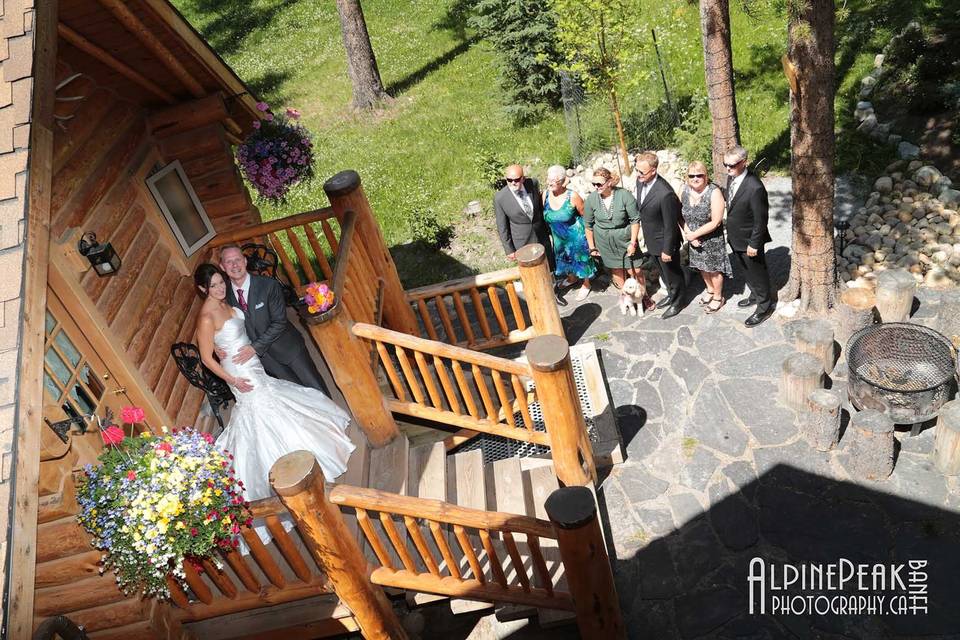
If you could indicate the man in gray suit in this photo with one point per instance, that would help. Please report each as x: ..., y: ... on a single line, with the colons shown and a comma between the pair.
x: 279, y: 345
x: 519, y: 209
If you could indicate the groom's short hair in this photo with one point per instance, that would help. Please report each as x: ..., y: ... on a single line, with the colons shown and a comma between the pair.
x: 231, y: 245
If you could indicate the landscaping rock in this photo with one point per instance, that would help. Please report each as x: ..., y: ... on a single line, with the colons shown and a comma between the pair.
x: 907, y: 150
x: 884, y: 184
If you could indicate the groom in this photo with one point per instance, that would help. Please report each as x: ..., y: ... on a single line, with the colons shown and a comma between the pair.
x: 279, y: 345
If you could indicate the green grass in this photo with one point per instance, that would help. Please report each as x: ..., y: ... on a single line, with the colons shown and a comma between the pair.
x: 421, y: 153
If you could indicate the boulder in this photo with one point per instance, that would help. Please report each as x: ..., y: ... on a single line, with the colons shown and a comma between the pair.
x: 884, y: 184
x: 907, y: 150
x: 949, y: 197
x: 869, y: 124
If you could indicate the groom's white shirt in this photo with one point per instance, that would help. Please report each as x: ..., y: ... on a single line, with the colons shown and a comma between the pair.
x: 246, y: 289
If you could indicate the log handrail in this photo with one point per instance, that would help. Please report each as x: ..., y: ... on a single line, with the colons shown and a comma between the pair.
x: 511, y: 274
x: 441, y: 349
x: 264, y: 228
x: 347, y: 230
x: 438, y: 511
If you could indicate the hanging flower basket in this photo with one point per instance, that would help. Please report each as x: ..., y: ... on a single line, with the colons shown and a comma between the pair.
x: 155, y: 501
x: 318, y: 303
x: 277, y: 155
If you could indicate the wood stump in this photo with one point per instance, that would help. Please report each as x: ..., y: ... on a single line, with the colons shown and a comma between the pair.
x: 895, y: 289
x: 871, y: 447
x: 821, y: 426
x: 801, y: 373
x: 816, y: 338
x: 946, y: 449
x: 854, y: 312
x: 948, y: 316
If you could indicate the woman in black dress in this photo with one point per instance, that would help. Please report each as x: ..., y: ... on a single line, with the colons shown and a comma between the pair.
x: 703, y: 206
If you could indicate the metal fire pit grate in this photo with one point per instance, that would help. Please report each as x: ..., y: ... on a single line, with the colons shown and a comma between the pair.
x: 903, y: 369
x: 499, y: 448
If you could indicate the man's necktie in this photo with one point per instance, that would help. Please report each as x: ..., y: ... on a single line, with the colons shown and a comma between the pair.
x: 243, y: 303
x: 525, y: 203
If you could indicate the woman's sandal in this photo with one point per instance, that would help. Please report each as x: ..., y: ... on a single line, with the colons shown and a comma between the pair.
x: 713, y: 307
x: 705, y: 298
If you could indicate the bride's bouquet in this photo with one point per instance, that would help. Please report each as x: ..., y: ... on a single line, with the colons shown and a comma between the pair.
x: 155, y: 501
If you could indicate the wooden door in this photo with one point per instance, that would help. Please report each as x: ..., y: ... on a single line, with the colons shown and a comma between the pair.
x: 76, y: 382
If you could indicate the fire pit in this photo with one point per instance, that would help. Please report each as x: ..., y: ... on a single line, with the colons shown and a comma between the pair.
x: 905, y: 370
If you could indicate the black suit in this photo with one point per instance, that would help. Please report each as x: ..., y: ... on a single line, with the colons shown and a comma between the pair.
x: 515, y: 227
x: 746, y: 225
x: 660, y: 221
x: 278, y: 344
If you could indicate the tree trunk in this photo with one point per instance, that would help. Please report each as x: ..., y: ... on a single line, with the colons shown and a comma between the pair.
x: 718, y: 64
x: 361, y: 64
x: 621, y: 139
x: 811, y: 50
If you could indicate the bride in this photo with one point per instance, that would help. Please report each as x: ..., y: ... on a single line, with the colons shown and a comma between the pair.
x: 272, y: 417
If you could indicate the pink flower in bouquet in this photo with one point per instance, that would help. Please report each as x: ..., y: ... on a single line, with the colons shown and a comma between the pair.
x: 262, y: 106
x: 112, y: 435
x: 132, y: 415
x: 268, y: 117
x: 256, y: 124
x: 293, y: 114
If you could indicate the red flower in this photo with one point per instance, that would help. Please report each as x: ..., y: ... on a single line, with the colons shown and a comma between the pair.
x: 165, y: 446
x: 131, y: 475
x: 130, y: 415
x: 249, y: 522
x: 193, y: 531
x: 112, y: 434
x: 235, y: 528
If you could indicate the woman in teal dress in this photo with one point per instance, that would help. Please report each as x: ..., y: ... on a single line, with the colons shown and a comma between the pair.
x: 562, y: 209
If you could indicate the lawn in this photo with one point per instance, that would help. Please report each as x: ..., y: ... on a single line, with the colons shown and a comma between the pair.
x: 427, y: 155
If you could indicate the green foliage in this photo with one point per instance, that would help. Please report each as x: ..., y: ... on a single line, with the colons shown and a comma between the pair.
x: 694, y: 137
x: 490, y: 165
x: 523, y: 34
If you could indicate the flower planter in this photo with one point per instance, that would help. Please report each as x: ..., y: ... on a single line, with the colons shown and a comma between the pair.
x: 316, y: 318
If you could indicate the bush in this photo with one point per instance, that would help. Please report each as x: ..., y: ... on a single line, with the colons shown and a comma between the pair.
x: 694, y: 137
x: 490, y: 166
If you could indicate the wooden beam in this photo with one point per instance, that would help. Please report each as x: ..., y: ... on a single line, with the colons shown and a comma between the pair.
x: 103, y: 56
x: 94, y: 327
x: 188, y: 115
x: 140, y: 31
x: 23, y: 516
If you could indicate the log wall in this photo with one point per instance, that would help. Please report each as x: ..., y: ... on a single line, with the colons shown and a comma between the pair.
x: 101, y: 160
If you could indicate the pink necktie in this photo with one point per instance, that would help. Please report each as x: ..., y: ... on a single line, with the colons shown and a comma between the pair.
x: 243, y: 303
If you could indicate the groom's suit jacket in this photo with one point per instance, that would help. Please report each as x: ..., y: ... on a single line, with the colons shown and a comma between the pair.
x: 275, y: 340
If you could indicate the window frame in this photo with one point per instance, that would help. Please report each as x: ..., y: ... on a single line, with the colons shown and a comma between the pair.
x: 152, y: 179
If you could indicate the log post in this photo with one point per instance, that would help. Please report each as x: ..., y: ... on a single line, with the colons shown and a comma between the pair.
x: 538, y: 290
x: 573, y: 512
x: 549, y: 358
x: 854, y: 312
x: 895, y: 289
x: 349, y: 362
x: 821, y: 426
x: 801, y: 373
x: 871, y: 446
x: 946, y: 449
x: 345, y: 192
x: 298, y: 480
x: 816, y: 338
x: 948, y: 315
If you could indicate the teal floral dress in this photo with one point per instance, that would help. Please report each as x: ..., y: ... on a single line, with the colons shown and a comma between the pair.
x: 569, y: 239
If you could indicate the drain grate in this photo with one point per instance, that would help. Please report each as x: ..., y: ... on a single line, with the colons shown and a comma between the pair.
x: 499, y: 448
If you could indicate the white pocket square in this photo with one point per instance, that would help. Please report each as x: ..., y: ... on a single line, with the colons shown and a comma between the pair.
x: 259, y: 305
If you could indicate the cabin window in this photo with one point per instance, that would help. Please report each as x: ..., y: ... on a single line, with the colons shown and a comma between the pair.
x: 181, y: 207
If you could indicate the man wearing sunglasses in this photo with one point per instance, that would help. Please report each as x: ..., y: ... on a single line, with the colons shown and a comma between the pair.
x: 747, y: 212
x: 519, y: 210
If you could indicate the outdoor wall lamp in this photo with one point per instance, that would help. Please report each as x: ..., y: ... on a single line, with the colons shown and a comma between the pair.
x: 102, y: 257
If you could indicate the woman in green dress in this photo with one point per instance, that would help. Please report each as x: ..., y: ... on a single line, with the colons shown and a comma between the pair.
x: 612, y: 223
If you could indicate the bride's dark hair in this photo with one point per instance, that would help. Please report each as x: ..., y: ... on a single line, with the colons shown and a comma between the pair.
x: 204, y: 274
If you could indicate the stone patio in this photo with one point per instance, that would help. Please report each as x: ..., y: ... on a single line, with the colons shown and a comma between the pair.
x: 718, y: 472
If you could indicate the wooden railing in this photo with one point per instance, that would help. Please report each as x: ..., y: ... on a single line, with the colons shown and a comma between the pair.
x: 503, y: 541
x: 456, y: 386
x: 473, y: 311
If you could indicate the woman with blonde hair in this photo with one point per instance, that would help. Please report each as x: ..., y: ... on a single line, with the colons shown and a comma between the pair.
x: 703, y: 205
x: 562, y: 209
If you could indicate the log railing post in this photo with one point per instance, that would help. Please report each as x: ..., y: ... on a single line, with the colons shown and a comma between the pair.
x: 298, y: 480
x: 549, y: 359
x: 573, y: 512
x: 349, y: 362
x: 345, y: 192
x: 538, y: 290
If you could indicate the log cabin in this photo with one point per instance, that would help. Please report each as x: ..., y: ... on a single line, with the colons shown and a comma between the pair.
x: 120, y: 122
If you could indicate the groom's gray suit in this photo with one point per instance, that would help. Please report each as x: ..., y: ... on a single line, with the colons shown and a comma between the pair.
x: 279, y: 345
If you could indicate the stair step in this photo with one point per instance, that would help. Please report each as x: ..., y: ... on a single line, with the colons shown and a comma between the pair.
x: 539, y: 482
x: 505, y: 494
x: 465, y: 487
x: 427, y: 478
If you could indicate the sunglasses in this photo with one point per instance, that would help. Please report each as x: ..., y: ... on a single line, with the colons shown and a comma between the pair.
x: 514, y: 179
x: 696, y: 175
x: 732, y: 165
x: 599, y: 185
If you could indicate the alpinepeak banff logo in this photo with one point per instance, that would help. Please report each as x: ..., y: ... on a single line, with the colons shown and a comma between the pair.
x: 838, y: 588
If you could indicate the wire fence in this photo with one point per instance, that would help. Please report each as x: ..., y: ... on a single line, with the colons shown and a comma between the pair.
x: 650, y: 113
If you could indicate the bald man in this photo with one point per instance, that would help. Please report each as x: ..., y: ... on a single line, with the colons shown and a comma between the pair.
x: 519, y: 209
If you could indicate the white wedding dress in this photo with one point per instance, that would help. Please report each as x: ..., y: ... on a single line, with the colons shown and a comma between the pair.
x: 275, y: 418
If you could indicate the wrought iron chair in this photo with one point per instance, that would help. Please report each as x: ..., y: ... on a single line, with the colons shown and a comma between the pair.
x: 262, y: 260
x: 187, y: 357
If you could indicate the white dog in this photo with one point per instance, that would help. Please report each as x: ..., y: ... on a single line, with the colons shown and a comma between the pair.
x: 631, y: 297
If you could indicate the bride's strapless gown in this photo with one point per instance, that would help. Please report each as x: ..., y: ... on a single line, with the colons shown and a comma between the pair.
x: 275, y: 418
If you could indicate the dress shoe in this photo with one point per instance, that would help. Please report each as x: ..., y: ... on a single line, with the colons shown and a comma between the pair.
x: 666, y: 302
x: 746, y: 302
x: 672, y: 310
x: 759, y: 316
